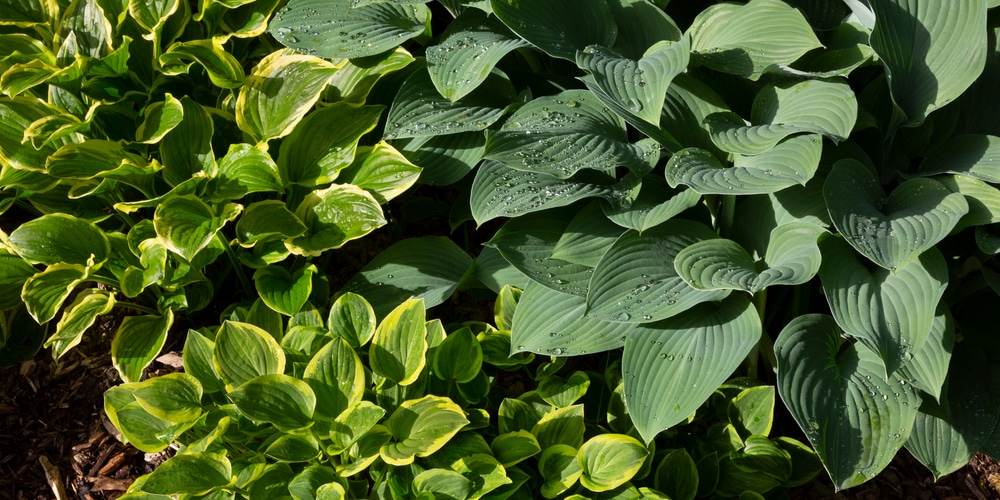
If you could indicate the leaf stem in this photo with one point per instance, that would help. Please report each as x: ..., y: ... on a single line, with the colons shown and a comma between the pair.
x: 234, y: 261
x: 138, y: 307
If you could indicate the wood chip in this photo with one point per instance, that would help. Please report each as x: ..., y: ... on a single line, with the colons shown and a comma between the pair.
x: 113, y: 464
x: 172, y: 359
x: 109, y: 484
x: 54, y: 478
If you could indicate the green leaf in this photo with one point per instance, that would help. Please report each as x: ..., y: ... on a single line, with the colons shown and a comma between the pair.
x: 138, y: 342
x: 192, y: 473
x: 973, y: 155
x: 338, y: 29
x: 283, y: 291
x: 266, y: 220
x: 44, y: 293
x: 512, y: 447
x: 787, y: 164
x: 827, y: 107
x: 354, y: 81
x: 677, y: 475
x: 760, y: 454
x: 444, y: 159
x: 636, y: 280
x: 352, y: 319
x: 198, y: 361
x: 246, y: 169
x: 14, y: 271
x: 562, y: 134
x: 279, y: 92
x: 187, y: 148
x: 467, y: 51
x: 429, y: 268
x: 516, y: 415
x: 752, y: 411
x: 837, y: 392
x: 244, y: 351
x: 608, y: 461
x: 561, y: 426
x: 442, y: 483
x: 77, y: 318
x: 893, y: 230
x: 294, y: 448
x: 559, y: 27
x: 398, y: 347
x: 352, y: 424
x: 805, y: 462
x: 324, y: 143
x: 671, y: 367
x: 647, y: 22
x: 931, y: 54
x: 459, y: 358
x: 983, y: 200
x: 160, y: 118
x: 60, y: 238
x: 308, y: 483
x: 16, y: 115
x: 223, y: 69
x: 748, y: 40
x: 562, y: 393
x: 928, y: 367
x: 420, y: 110
x: 152, y: 15
x: 286, y: 402
x: 382, y: 171
x: 792, y: 258
x: 559, y: 468
x: 655, y: 204
x: 421, y: 427
x: 186, y: 225
x: 890, y: 312
x: 175, y: 397
x: 334, y: 216
x: 637, y: 86
x: 337, y: 377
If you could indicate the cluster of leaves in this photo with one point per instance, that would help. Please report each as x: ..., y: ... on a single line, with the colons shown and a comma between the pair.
x: 343, y: 408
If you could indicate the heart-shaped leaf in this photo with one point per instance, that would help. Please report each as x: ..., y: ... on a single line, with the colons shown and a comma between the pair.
x: 266, y: 220
x: 890, y: 231
x: 855, y: 418
x: 382, y: 171
x: 194, y: 473
x: 467, y: 51
x: 160, y: 117
x: 928, y: 368
x: 286, y: 402
x: 559, y: 27
x: 336, y: 29
x: 890, y: 312
x: 246, y: 169
x: 186, y: 225
x: 337, y: 377
x: 400, y: 343
x: 789, y: 163
x: 943, y: 43
x: 608, y: 461
x: 419, y: 109
x: 421, y: 427
x: 648, y: 24
x: 138, y: 342
x: 443, y: 159
x: 636, y: 281
x: 826, y: 107
x: 187, y: 148
x: 244, y: 351
x: 283, y: 291
x: 671, y: 367
x: 223, y: 69
x: 792, y: 258
x: 655, y: 204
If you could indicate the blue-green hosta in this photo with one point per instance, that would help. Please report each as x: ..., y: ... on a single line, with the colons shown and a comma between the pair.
x: 350, y: 407
x: 692, y: 187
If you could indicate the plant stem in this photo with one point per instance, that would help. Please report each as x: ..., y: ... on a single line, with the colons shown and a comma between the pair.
x: 137, y: 307
x: 726, y: 215
x: 234, y: 261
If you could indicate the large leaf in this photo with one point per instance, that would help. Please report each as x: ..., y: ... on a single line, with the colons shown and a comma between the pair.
x: 974, y: 155
x: 138, y: 342
x: 60, y: 238
x: 187, y: 148
x: 324, y: 143
x: 244, y: 170
x: 791, y: 162
x: 193, y: 473
x: 286, y: 402
x: 279, y: 92
x: 792, y: 258
x: 891, y: 312
x: 891, y: 230
x: 750, y: 39
x: 928, y: 368
x: 382, y: 171
x: 283, y: 291
x: 444, y: 159
x: 334, y: 216
x: 400, y: 343
x: 244, y: 351
x: 563, y: 134
x: 636, y: 280
x: 175, y: 397
x: 854, y: 417
x: 559, y: 27
x: 338, y: 29
x: 671, y: 367
x: 429, y: 268
x: 419, y: 109
x: 420, y: 427
x: 467, y: 51
x: 932, y: 52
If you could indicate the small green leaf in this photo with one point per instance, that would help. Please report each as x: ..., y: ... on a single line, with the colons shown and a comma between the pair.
x: 334, y: 216
x: 283, y: 291
x: 752, y: 411
x: 186, y: 225
x: 352, y: 424
x: 198, y: 361
x: 337, y: 377
x: 324, y: 143
x: 382, y: 171
x: 286, y: 402
x: 14, y: 271
x: 138, y: 342
x: 608, y: 461
x: 421, y: 427
x: 175, y: 397
x: 244, y: 351
x: 223, y: 69
x: 677, y: 475
x: 442, y: 483
x: 193, y: 473
x: 187, y: 148
x: 512, y: 447
x: 246, y: 169
x: 265, y: 220
x: 60, y: 238
x: 77, y: 318
x: 294, y: 448
x: 398, y: 347
x: 562, y: 426
x: 559, y: 468
x: 562, y: 393
x: 152, y: 15
x: 160, y: 118
x: 459, y: 358
x: 352, y: 319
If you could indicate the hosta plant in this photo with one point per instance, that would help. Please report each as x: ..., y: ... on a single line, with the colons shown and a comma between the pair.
x: 803, y: 189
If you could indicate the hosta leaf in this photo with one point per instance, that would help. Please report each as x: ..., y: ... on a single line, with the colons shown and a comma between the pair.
x: 175, y: 397
x: 562, y: 426
x: 677, y: 475
x: 444, y: 159
x: 638, y: 86
x: 983, y: 200
x: 688, y: 102
x: 421, y: 427
x: 293, y: 448
x: 152, y: 15
x: 791, y: 162
x: 671, y: 367
x: 187, y: 148
x: 283, y: 291
x: 352, y: 424
x: 353, y: 81
x: 160, y: 117
x: 929, y: 366
x: 44, y: 293
x: 563, y: 393
x: 792, y: 258
x: 14, y: 271
x: 931, y: 52
x: 512, y: 447
x: 352, y: 319
x: 499, y: 191
x: 398, y: 348
x: 890, y: 231
x: 747, y: 40
x: 279, y: 92
x: 198, y: 361
x: 60, y: 238
x: 244, y: 351
x: 382, y: 171
x: 223, y: 69
x: 194, y: 473
x: 609, y: 460
x: 559, y: 468
x: 890, y: 312
x: 250, y: 19
x: 324, y: 143
x: 636, y: 281
x: 459, y: 358
x: 186, y: 225
x: 334, y: 216
x: 138, y: 342
x: 308, y: 483
x: 974, y: 155
x: 286, y: 402
x: 337, y: 29
x: 77, y: 318
x: 419, y: 109
x: 442, y: 483
x: 559, y: 27
x: 854, y: 418
x: 467, y: 51
x: 563, y: 134
x: 244, y: 170
x: 655, y: 204
x: 16, y: 115
x: 826, y: 107
x: 429, y: 268
x: 27, y: 13
x: 587, y: 237
x: 265, y: 220
x: 553, y: 323
x: 337, y: 377
x: 647, y: 22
